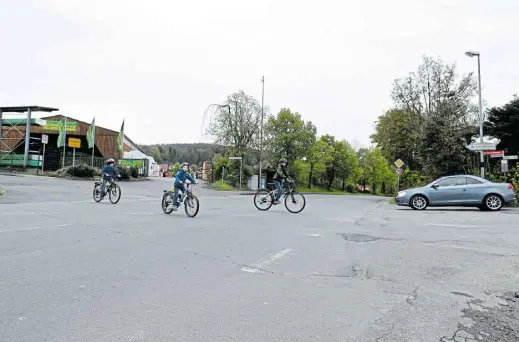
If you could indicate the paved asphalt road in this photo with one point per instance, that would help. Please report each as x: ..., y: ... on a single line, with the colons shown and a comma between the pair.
x: 348, y: 268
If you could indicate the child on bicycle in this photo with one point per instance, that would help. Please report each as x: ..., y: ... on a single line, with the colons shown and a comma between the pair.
x: 180, y: 178
x: 279, y: 177
x: 108, y: 172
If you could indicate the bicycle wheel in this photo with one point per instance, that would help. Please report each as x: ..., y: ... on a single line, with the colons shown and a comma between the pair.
x: 97, y: 194
x: 297, y: 199
x: 167, y: 203
x: 263, y: 197
x: 115, y: 191
x: 191, y: 205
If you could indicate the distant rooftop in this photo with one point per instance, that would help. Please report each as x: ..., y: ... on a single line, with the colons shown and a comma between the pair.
x: 23, y: 109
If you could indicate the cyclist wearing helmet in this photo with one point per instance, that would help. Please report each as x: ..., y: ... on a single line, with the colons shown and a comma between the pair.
x: 108, y: 173
x: 279, y: 177
x: 180, y: 178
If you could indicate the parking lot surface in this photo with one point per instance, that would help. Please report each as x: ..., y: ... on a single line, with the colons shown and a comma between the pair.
x: 348, y: 268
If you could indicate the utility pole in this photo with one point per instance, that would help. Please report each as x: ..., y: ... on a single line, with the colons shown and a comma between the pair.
x: 261, y: 128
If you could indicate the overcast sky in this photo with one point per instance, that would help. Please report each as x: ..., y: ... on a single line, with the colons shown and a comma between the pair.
x: 160, y: 64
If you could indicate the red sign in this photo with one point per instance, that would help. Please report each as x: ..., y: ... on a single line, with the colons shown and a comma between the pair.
x: 499, y: 153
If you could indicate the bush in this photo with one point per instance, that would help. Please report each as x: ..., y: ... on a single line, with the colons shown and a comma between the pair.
x: 82, y: 171
x: 125, y: 173
x: 134, y: 172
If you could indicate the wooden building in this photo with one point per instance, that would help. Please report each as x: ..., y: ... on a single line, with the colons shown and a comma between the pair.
x: 13, y: 141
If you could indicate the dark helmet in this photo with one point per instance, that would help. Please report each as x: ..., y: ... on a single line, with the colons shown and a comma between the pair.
x: 184, y: 164
x: 282, y: 160
x: 110, y: 161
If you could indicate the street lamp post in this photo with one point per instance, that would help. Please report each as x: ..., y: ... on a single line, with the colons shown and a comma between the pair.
x: 481, y: 155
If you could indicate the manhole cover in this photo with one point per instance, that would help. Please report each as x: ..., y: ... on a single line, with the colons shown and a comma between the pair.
x: 358, y: 237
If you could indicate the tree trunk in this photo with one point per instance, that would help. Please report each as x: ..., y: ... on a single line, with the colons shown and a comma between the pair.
x: 310, y: 176
x: 343, y: 181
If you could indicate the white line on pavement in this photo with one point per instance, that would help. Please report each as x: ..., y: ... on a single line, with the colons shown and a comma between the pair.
x: 256, y: 268
x: 33, y: 228
x: 315, y: 234
x: 449, y: 225
x: 338, y: 219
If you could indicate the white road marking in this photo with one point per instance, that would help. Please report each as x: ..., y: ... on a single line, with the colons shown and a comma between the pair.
x: 449, y: 225
x: 33, y: 228
x: 316, y: 234
x: 338, y: 219
x: 256, y: 268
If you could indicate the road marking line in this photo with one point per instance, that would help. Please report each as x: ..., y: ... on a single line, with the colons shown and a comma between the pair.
x: 33, y: 228
x: 316, y: 234
x: 448, y: 225
x: 338, y: 219
x: 256, y: 268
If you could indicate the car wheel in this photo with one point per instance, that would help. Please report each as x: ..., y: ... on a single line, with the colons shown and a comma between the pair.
x: 418, y: 202
x: 493, y: 202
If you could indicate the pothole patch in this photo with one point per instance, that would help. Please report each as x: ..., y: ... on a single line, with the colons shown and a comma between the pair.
x: 359, y: 237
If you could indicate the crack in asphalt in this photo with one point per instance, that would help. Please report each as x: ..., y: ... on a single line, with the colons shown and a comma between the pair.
x: 490, y: 324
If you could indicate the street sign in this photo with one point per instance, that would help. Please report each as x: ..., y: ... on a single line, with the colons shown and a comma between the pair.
x: 235, y: 158
x: 494, y: 154
x: 399, y: 163
x: 504, y: 166
x: 485, y: 146
x: 74, y: 142
x: 44, y: 139
x: 399, y: 171
x: 510, y: 157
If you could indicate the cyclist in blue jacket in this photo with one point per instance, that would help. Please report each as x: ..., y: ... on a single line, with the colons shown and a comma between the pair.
x: 108, y: 172
x: 180, y: 178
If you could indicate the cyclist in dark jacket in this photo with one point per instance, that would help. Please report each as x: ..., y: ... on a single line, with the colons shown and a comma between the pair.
x: 108, y: 172
x: 279, y: 177
x: 180, y: 178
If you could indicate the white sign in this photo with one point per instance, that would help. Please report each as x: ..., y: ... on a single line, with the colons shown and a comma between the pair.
x: 399, y: 163
x: 509, y: 157
x: 44, y: 139
x: 235, y: 158
x: 504, y: 166
x: 485, y: 146
x: 399, y: 171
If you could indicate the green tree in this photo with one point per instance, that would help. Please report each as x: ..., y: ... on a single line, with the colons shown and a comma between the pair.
x: 503, y: 123
x: 395, y: 137
x: 318, y: 157
x: 377, y: 172
x: 174, y: 168
x: 441, y: 111
x: 289, y: 136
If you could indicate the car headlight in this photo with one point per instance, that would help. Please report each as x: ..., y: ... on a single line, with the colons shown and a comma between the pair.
x: 401, y: 193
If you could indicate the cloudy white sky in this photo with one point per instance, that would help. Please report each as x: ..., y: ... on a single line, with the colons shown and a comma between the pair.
x: 160, y: 63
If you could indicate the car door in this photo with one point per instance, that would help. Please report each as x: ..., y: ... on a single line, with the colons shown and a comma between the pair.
x: 449, y: 191
x: 477, y: 190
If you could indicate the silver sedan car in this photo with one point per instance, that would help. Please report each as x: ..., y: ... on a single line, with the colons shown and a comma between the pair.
x: 459, y: 191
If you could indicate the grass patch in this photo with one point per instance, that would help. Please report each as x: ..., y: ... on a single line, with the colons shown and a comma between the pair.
x: 222, y: 186
x: 391, y: 201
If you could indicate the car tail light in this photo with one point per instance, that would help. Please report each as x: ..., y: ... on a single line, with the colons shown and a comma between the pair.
x: 511, y: 187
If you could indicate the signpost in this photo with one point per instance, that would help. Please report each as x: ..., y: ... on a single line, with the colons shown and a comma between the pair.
x: 399, y: 163
x: 495, y: 154
x: 482, y: 146
x: 504, y: 166
x: 74, y: 143
x: 44, y: 141
x: 241, y: 165
x: 510, y: 157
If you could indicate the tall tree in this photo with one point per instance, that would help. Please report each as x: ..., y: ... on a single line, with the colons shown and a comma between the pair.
x: 377, y: 171
x: 503, y: 123
x: 289, y: 136
x: 318, y: 157
x: 237, y: 122
x: 442, y: 113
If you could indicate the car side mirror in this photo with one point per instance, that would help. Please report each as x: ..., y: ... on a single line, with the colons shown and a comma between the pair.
x: 435, y: 186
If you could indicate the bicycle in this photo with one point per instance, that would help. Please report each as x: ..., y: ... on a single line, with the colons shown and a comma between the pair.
x: 111, y: 188
x: 190, y: 201
x: 264, y: 196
